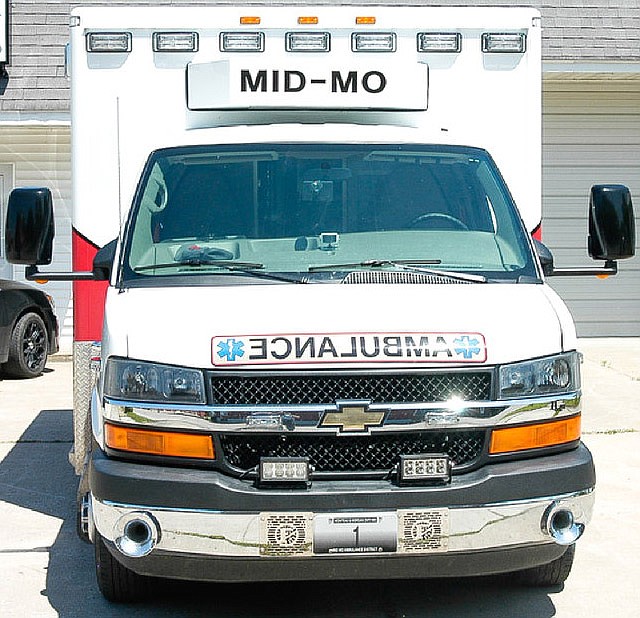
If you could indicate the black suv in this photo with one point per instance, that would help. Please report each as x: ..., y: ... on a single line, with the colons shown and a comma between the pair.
x: 28, y: 329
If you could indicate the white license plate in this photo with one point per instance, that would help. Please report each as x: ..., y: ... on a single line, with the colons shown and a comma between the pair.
x: 355, y: 533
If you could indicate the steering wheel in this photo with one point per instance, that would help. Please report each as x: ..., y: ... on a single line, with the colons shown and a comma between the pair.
x: 431, y: 217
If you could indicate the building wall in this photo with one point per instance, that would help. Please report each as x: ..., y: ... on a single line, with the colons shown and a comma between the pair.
x: 591, y: 136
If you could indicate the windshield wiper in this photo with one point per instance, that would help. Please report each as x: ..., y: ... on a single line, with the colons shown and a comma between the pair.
x: 226, y: 264
x: 251, y: 269
x: 406, y: 265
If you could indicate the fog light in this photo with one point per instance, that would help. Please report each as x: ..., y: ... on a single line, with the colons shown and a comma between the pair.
x: 274, y: 470
x: 425, y: 468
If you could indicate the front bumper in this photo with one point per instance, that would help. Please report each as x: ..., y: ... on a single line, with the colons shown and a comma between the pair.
x: 212, y: 527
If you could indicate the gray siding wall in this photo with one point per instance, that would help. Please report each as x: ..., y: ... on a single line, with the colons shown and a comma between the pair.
x: 591, y: 136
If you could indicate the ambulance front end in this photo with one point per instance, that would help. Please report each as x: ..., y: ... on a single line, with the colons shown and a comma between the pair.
x: 330, y: 360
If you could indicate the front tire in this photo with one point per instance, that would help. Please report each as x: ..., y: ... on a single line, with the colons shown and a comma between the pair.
x: 28, y: 347
x: 552, y: 574
x: 116, y: 582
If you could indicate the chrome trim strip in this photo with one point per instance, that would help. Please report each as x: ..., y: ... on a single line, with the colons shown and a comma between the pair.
x: 471, y: 528
x: 306, y: 418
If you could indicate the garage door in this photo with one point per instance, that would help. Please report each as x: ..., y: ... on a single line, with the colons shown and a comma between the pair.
x: 591, y: 136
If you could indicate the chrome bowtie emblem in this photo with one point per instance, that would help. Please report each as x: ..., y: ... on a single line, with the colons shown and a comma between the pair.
x: 352, y: 417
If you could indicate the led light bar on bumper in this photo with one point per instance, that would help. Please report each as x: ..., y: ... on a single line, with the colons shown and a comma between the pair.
x: 552, y: 375
x: 284, y: 470
x: 132, y: 380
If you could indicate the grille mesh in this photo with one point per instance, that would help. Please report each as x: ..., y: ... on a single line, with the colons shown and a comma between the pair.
x: 330, y: 453
x: 326, y: 389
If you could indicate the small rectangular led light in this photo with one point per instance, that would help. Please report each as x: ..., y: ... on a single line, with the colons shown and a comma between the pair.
x: 175, y: 41
x: 421, y: 468
x: 284, y: 470
x: 308, y: 41
x: 373, y: 42
x: 109, y: 42
x: 365, y: 20
x: 504, y: 42
x: 440, y: 42
x: 305, y: 20
x: 251, y: 20
x: 242, y: 41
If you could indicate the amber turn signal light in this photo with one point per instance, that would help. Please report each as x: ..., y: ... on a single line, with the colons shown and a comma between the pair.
x: 540, y: 435
x: 165, y: 443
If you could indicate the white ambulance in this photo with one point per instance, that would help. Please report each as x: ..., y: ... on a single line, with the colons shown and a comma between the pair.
x: 327, y: 348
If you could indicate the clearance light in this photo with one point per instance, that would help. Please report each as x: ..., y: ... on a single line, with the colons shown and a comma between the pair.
x: 440, y: 42
x: 250, y: 20
x: 308, y: 41
x: 242, y: 41
x: 512, y: 439
x: 284, y: 470
x: 365, y: 21
x: 510, y: 43
x: 308, y: 20
x: 175, y: 41
x: 373, y: 42
x: 164, y: 443
x: 109, y: 42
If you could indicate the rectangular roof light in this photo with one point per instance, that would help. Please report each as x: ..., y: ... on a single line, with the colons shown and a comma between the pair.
x: 242, y: 41
x: 440, y: 42
x: 373, y: 42
x: 109, y: 42
x: 308, y: 41
x: 175, y: 41
x: 504, y: 42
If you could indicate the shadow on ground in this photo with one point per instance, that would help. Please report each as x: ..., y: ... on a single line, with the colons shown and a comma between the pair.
x: 36, y: 475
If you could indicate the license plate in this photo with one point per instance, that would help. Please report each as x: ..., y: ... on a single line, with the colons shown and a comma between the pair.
x: 355, y: 533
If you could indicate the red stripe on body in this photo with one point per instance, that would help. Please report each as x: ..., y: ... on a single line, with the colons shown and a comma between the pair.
x: 88, y: 296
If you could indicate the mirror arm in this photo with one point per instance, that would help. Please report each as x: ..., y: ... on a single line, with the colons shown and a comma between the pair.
x: 610, y: 268
x: 32, y: 273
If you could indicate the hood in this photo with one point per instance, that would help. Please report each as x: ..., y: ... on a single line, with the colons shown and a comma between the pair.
x: 323, y: 325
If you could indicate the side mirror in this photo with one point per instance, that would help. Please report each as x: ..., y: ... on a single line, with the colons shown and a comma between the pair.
x: 612, y: 232
x: 103, y: 261
x: 30, y: 227
x: 545, y: 256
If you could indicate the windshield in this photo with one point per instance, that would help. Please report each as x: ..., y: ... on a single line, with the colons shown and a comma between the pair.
x: 323, y: 210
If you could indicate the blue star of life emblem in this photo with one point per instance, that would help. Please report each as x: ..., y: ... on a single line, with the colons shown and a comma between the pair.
x: 230, y: 349
x: 466, y: 346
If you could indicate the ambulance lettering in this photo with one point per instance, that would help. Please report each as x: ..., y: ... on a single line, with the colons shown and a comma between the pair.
x: 345, y: 348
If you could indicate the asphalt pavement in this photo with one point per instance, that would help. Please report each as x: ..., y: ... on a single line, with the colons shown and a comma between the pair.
x: 45, y: 570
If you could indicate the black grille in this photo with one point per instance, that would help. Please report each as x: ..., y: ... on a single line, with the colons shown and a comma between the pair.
x: 326, y: 389
x: 329, y: 453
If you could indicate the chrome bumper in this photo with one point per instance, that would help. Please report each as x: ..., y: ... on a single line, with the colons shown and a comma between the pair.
x: 450, y: 531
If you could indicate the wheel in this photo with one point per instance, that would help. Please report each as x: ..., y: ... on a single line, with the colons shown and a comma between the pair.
x: 438, y: 220
x: 28, y: 347
x: 116, y: 582
x: 551, y: 574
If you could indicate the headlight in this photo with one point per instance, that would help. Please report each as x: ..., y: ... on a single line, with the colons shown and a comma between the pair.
x: 139, y: 381
x: 545, y: 376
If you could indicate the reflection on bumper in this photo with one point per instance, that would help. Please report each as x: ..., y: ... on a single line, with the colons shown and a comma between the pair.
x: 462, y: 529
